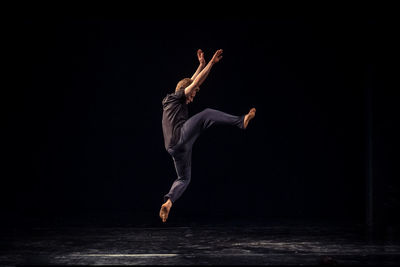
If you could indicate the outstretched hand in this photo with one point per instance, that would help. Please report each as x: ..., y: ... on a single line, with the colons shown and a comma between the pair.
x: 217, y: 56
x: 200, y: 56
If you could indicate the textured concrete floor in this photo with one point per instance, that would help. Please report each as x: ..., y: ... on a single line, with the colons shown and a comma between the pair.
x: 277, y: 244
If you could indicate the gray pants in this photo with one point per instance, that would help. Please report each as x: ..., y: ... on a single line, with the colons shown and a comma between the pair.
x: 182, y: 152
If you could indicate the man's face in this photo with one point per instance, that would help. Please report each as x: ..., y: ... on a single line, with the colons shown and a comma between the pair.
x: 190, y: 97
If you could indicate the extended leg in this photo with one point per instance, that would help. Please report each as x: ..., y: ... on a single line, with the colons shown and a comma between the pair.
x: 193, y: 127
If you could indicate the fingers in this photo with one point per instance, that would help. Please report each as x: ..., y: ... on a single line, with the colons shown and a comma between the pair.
x: 218, y: 54
x: 200, y: 54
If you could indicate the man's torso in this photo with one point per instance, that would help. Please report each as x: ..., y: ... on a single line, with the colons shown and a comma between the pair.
x: 175, y: 113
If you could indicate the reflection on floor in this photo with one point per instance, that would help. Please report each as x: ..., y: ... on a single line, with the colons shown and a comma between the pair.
x: 227, y: 243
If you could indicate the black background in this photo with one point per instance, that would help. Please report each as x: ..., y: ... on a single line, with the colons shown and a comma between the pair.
x: 83, y: 114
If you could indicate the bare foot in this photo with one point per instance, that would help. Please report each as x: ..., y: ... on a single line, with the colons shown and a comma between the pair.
x: 164, y: 211
x: 249, y: 116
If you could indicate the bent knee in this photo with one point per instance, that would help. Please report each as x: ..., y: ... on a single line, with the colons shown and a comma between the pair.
x: 208, y: 110
x: 208, y: 113
x: 184, y: 179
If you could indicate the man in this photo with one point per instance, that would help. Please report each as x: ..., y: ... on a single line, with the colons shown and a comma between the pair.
x: 180, y: 132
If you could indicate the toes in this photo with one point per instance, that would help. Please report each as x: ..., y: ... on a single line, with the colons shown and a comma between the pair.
x: 164, y: 214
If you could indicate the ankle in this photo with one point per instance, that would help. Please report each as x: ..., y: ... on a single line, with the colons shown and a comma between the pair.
x: 168, y: 203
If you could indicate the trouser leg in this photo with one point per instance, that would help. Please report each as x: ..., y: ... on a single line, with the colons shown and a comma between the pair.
x: 183, y: 167
x: 195, y: 125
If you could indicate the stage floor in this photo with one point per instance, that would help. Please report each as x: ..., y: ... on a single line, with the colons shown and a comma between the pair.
x: 203, y: 244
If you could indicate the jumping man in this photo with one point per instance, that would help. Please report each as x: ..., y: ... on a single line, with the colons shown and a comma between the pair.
x: 180, y: 132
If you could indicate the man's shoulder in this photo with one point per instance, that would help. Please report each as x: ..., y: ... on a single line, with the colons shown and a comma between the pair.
x: 176, y: 96
x: 167, y: 98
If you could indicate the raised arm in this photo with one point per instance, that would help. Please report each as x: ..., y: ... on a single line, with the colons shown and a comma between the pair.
x: 204, y: 72
x: 202, y: 63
